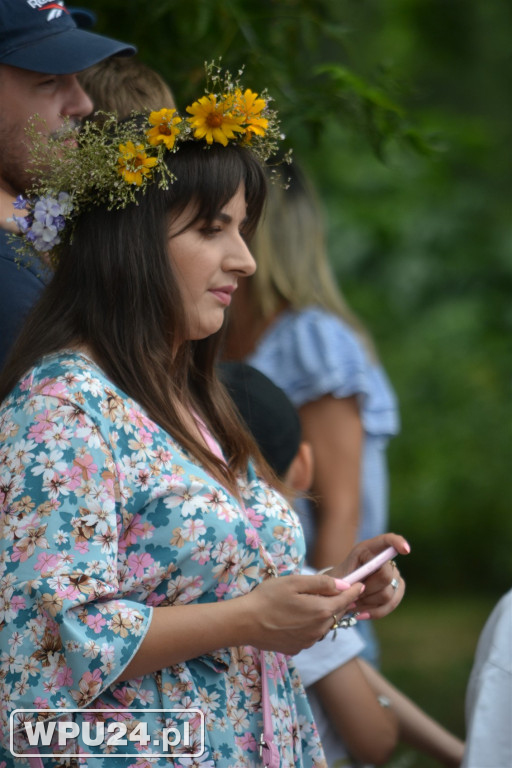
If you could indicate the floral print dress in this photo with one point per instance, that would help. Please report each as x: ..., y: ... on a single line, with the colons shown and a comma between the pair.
x: 104, y: 517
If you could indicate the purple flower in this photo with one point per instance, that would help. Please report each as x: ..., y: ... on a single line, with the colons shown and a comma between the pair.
x: 23, y: 223
x: 20, y: 203
x: 46, y: 219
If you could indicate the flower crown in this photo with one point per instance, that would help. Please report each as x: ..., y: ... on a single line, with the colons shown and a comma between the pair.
x: 110, y: 160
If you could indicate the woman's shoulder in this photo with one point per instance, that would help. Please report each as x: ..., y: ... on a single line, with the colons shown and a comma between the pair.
x: 69, y: 385
x: 66, y: 375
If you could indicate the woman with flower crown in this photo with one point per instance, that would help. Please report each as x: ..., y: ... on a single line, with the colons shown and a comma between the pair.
x: 148, y: 559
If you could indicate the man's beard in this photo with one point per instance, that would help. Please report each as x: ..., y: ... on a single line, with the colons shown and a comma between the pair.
x: 15, y: 174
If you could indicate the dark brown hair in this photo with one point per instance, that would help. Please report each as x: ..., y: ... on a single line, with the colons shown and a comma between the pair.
x: 114, y: 291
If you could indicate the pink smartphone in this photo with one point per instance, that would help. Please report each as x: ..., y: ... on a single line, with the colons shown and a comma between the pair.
x: 372, y: 565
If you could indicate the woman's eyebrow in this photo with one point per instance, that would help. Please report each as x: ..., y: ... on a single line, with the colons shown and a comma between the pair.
x: 225, y: 218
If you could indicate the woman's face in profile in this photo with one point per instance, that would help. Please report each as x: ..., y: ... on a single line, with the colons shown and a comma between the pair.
x: 208, y: 258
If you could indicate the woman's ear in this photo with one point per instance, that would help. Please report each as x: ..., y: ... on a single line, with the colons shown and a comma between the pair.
x: 300, y: 472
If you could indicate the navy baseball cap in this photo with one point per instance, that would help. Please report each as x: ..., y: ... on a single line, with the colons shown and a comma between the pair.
x: 42, y: 36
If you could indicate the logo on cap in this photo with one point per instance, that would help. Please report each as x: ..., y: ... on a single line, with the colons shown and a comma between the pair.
x: 54, y: 9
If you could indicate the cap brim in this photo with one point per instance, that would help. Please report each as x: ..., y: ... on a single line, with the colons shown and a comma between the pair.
x: 69, y: 51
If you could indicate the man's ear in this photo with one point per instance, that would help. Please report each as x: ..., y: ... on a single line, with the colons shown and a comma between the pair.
x: 300, y: 472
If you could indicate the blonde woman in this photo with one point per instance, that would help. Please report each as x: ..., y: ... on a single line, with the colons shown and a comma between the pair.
x: 291, y: 322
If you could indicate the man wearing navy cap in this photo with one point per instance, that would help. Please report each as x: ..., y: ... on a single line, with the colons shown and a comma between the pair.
x: 41, y: 50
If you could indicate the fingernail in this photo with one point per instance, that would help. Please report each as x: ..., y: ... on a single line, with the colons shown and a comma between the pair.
x: 407, y: 547
x: 363, y: 587
x: 352, y: 607
x: 341, y: 585
x: 363, y: 616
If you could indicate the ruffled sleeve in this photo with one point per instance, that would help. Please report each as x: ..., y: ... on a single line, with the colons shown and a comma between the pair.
x: 312, y: 353
x: 72, y: 630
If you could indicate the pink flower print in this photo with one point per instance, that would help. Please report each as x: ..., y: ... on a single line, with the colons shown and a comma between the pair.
x: 247, y: 742
x: 136, y: 529
x: 82, y: 547
x: 75, y: 477
x: 143, y: 479
x: 26, y: 383
x: 140, y: 420
x: 254, y: 517
x: 96, y: 622
x: 154, y: 599
x: 43, y: 423
x: 46, y: 562
x: 125, y: 695
x: 64, y: 677
x: 40, y: 703
x: 252, y: 538
x: 69, y: 592
x: 17, y: 603
x: 277, y: 666
x: 162, y: 456
x: 52, y: 388
x: 89, y: 685
x: 138, y: 563
x: 86, y: 465
x: 221, y: 590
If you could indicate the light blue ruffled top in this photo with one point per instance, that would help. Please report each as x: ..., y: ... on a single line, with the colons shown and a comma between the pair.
x: 311, y: 353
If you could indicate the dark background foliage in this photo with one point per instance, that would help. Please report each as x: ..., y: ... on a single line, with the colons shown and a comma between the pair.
x: 402, y: 113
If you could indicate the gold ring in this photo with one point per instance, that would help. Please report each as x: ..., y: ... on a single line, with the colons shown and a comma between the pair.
x: 335, y: 624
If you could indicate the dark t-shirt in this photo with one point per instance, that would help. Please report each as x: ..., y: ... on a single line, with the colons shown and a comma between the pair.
x: 20, y: 288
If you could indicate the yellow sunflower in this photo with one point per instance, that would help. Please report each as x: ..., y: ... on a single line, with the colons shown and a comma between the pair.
x: 250, y: 105
x: 134, y: 164
x: 164, y: 130
x: 213, y: 120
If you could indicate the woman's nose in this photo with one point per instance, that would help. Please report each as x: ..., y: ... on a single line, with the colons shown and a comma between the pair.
x: 241, y: 260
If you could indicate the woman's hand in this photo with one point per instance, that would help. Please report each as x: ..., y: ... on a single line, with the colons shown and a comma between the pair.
x: 384, y: 588
x: 290, y: 613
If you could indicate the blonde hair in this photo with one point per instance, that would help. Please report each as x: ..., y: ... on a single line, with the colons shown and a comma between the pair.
x: 290, y: 249
x: 124, y: 84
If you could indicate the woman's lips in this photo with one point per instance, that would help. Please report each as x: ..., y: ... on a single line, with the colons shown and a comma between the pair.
x: 224, y: 294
